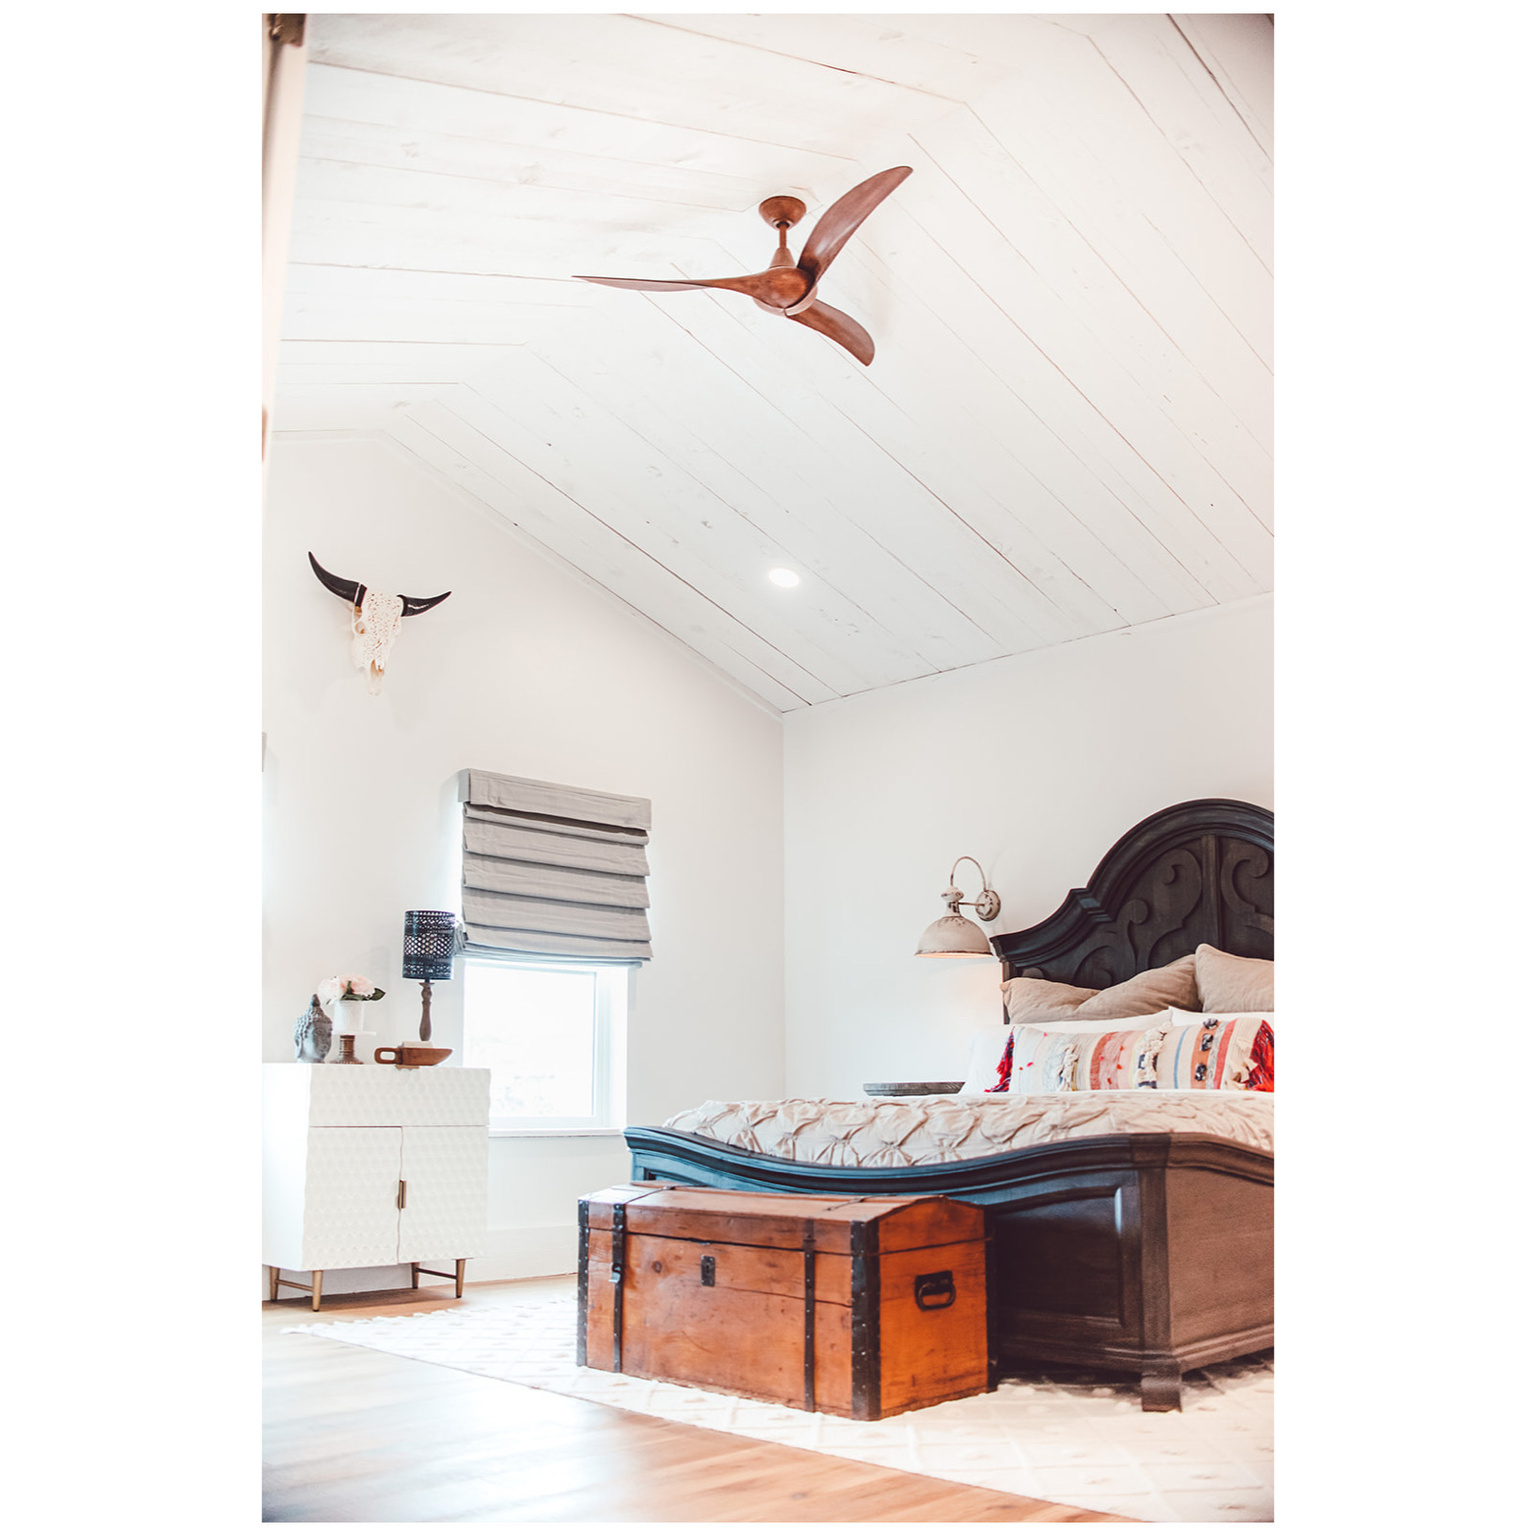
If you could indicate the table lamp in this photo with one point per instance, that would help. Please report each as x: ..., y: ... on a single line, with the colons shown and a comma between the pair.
x: 430, y: 940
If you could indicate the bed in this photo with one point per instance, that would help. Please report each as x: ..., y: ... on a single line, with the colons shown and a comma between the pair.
x: 1142, y: 1250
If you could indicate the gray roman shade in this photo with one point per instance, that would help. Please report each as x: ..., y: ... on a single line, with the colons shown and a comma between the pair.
x: 553, y: 870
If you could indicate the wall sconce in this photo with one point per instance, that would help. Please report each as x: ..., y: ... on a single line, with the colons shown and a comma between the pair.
x: 953, y: 936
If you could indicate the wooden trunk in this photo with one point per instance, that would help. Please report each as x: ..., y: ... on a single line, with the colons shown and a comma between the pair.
x: 857, y: 1307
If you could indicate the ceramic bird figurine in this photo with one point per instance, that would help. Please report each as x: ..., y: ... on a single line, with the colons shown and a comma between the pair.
x: 312, y: 1033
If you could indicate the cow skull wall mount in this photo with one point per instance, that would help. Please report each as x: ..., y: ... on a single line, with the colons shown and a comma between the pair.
x: 376, y: 619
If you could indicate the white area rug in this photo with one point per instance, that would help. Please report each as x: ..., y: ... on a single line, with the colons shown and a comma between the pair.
x: 1073, y: 1437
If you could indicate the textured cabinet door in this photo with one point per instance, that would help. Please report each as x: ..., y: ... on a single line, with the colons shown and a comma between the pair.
x: 351, y: 1184
x: 444, y: 1168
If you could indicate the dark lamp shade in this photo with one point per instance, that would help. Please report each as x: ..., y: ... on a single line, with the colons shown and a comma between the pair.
x: 430, y: 939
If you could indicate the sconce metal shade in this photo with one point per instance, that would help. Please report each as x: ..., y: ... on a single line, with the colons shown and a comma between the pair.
x: 430, y: 938
x: 953, y: 936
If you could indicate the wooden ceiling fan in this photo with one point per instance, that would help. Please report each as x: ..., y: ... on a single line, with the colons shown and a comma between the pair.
x: 788, y: 287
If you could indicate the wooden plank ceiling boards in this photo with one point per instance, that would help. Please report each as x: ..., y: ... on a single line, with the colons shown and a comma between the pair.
x: 1066, y: 428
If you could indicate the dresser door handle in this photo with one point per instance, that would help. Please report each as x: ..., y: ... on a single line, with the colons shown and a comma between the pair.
x: 400, y: 1196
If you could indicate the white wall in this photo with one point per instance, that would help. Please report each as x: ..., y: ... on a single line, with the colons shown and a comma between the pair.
x: 524, y: 670
x: 1034, y: 765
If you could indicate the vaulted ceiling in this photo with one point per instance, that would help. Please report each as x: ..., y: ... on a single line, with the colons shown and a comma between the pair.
x: 1067, y: 425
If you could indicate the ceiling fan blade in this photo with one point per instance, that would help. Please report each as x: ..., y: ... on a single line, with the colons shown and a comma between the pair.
x: 838, y: 223
x: 778, y: 287
x: 843, y: 329
x: 644, y: 282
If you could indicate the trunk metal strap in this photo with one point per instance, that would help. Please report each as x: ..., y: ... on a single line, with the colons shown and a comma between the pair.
x: 808, y: 1249
x: 616, y: 1276
x: 616, y: 1267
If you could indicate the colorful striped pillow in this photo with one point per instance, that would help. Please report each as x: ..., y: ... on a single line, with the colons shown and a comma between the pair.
x: 1218, y: 1050
x: 1172, y: 1049
x: 1063, y: 1061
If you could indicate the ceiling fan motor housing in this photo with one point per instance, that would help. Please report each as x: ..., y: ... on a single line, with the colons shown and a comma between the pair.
x: 787, y: 211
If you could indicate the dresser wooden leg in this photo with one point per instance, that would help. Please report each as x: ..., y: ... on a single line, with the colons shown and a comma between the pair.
x: 458, y: 1281
x: 272, y: 1282
x: 415, y: 1277
x: 314, y: 1289
x: 1162, y: 1388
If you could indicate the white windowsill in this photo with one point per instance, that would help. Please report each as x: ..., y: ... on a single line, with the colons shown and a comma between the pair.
x: 573, y: 1130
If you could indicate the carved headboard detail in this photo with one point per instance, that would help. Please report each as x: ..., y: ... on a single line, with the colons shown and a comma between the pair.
x: 1201, y: 872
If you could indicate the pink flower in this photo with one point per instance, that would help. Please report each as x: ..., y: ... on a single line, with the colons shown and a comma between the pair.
x: 360, y: 988
x: 347, y: 987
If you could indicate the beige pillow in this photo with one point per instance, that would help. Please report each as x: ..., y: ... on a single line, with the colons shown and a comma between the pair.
x: 1031, y: 1001
x: 1232, y: 984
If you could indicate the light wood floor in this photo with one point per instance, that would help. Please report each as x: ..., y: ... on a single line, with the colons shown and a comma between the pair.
x: 353, y: 1434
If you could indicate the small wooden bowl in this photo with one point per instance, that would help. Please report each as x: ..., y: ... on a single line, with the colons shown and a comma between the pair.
x: 412, y: 1055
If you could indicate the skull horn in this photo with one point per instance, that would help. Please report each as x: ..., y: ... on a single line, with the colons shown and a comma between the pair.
x: 420, y: 604
x: 352, y: 592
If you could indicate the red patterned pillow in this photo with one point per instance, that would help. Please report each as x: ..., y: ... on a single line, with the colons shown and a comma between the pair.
x: 1218, y: 1050
x: 1073, y: 1061
x: 1173, y: 1049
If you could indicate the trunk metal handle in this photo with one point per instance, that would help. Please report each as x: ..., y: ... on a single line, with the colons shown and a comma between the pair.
x: 936, y: 1291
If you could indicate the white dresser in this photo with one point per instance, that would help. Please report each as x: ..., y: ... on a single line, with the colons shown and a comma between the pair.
x: 366, y: 1165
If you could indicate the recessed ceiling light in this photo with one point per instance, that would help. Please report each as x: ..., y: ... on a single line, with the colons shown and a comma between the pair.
x: 784, y: 578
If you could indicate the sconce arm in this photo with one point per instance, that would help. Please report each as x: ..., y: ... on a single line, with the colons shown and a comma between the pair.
x: 987, y: 903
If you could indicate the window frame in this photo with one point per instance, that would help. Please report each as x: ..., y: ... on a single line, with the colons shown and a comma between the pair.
x: 610, y: 1017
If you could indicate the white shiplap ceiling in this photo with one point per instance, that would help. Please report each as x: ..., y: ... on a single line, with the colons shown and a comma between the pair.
x: 1066, y: 427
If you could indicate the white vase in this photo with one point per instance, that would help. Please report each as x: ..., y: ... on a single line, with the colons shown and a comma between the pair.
x: 347, y: 1019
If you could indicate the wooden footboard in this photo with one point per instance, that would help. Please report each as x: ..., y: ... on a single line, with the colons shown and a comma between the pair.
x: 1148, y: 1252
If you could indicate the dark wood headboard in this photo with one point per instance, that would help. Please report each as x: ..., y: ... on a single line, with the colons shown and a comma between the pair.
x: 1202, y: 872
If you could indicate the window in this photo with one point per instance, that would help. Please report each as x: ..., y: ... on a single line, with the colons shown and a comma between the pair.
x: 552, y: 1033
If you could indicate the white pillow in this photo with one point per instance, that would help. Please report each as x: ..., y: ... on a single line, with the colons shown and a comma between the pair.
x: 1061, y: 1060
x: 1179, y: 1017
x: 987, y: 1047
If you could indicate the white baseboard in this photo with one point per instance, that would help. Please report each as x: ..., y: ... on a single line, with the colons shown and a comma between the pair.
x: 513, y: 1253
x: 523, y: 1253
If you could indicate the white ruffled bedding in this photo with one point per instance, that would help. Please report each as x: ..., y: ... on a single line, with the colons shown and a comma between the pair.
x: 944, y: 1128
